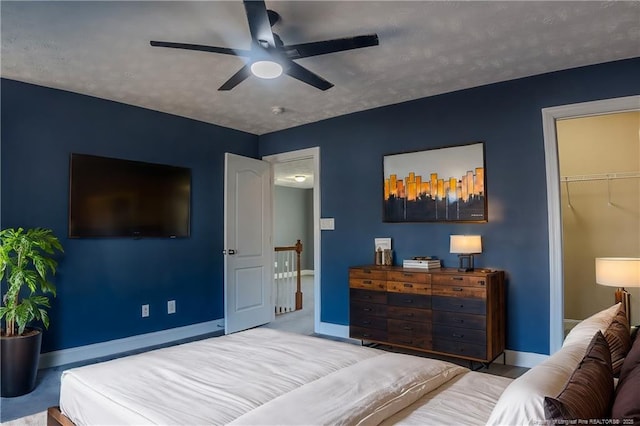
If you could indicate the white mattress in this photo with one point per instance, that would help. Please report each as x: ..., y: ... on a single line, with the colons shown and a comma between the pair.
x: 257, y: 376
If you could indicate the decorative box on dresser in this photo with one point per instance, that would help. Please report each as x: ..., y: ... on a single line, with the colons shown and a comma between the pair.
x: 443, y: 311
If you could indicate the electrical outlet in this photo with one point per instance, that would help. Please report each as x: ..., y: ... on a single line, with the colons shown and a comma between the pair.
x: 171, y: 307
x: 145, y: 311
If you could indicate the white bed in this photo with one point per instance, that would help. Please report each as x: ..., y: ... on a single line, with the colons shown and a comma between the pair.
x: 269, y: 377
x: 265, y: 376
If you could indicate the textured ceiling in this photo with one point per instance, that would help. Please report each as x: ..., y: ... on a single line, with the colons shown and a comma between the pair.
x: 426, y: 48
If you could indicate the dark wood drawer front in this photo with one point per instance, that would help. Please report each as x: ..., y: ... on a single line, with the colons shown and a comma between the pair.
x: 478, y: 337
x: 368, y: 296
x: 412, y: 328
x: 456, y: 319
x: 459, y: 291
x: 464, y: 305
x: 407, y: 287
x: 365, y: 308
x: 367, y: 273
x: 422, y: 342
x: 368, y: 321
x: 368, y: 334
x: 409, y: 314
x: 460, y: 348
x: 459, y: 280
x: 409, y: 300
x: 412, y: 277
x: 368, y: 284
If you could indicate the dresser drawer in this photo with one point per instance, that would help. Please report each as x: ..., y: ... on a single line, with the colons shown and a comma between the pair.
x: 460, y: 348
x: 367, y: 273
x: 459, y: 280
x: 459, y: 304
x: 468, y: 335
x: 459, y: 291
x: 368, y: 284
x: 413, y: 277
x: 409, y: 314
x: 367, y: 321
x: 368, y: 334
x: 422, y: 342
x: 409, y: 300
x: 366, y: 308
x: 368, y: 296
x: 457, y: 319
x: 411, y: 328
x: 406, y: 287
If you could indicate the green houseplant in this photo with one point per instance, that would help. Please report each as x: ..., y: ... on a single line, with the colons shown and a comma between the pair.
x: 26, y: 263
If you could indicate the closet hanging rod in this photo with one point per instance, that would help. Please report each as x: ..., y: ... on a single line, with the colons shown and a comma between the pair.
x: 602, y: 176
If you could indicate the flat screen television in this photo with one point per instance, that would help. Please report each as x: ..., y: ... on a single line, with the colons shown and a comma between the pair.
x: 109, y: 197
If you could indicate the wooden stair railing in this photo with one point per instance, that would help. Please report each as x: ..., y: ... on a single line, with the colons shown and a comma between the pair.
x: 284, y: 274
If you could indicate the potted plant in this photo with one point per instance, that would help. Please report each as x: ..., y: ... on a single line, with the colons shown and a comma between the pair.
x: 26, y: 262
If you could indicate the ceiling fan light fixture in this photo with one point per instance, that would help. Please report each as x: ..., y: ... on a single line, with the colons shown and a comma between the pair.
x: 266, y: 69
x: 299, y: 178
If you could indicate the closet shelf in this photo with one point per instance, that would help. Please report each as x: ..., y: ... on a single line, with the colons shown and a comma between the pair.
x: 601, y: 176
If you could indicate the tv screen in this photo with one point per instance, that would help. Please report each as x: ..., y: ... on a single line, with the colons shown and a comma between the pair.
x: 109, y: 197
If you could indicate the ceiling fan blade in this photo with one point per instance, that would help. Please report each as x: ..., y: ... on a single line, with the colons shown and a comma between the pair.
x: 212, y: 49
x: 259, y: 24
x: 236, y: 79
x: 304, y: 50
x: 301, y: 73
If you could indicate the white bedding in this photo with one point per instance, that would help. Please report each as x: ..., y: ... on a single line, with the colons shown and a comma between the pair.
x: 467, y: 399
x: 265, y: 376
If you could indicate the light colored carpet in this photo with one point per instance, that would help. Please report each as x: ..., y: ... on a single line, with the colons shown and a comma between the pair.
x: 38, y: 419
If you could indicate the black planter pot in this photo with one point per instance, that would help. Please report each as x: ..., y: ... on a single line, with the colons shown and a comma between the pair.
x: 19, y: 357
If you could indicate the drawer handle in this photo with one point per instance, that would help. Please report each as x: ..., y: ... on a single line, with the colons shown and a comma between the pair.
x: 408, y: 300
x: 459, y: 321
x: 367, y: 282
x: 481, y: 282
x: 457, y: 278
x: 408, y: 285
x: 457, y: 288
x: 459, y: 336
x: 462, y: 306
x: 409, y: 315
x: 407, y: 328
x: 366, y: 322
x: 366, y: 335
x: 367, y: 309
x: 406, y: 274
x: 366, y: 271
x: 367, y: 296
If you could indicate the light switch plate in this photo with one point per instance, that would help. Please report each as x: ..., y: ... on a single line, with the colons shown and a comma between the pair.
x: 327, y: 224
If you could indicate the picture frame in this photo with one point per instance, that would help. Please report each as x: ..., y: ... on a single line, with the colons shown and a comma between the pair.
x: 446, y: 184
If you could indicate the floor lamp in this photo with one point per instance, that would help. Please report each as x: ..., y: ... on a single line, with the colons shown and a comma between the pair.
x: 619, y: 272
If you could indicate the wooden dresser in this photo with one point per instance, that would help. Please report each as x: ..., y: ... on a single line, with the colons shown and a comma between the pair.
x: 460, y: 314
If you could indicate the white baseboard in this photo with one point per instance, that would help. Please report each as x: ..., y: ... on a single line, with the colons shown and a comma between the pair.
x: 307, y: 272
x: 335, y: 330
x: 113, y: 347
x: 524, y: 359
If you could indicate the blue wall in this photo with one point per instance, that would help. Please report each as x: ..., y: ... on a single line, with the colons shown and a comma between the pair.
x: 103, y: 282
x: 507, y: 117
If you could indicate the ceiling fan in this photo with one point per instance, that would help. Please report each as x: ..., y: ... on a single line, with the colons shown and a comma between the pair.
x: 269, y: 57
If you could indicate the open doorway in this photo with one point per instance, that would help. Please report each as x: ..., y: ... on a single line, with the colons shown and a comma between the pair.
x: 599, y: 161
x: 554, y: 208
x: 297, y: 217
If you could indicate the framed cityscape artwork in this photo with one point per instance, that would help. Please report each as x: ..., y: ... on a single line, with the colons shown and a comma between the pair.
x: 437, y: 185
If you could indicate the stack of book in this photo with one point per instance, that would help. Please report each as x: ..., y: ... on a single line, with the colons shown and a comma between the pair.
x: 421, y: 262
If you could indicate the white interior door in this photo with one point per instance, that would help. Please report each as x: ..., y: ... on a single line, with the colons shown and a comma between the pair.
x: 248, y: 265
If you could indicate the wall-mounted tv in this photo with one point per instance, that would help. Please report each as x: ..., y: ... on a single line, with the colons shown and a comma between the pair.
x: 109, y: 197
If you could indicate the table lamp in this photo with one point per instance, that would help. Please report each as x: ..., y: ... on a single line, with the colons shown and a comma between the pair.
x: 619, y: 272
x: 465, y: 246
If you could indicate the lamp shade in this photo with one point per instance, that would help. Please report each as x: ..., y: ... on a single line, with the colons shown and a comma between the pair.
x: 465, y: 244
x: 618, y: 271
